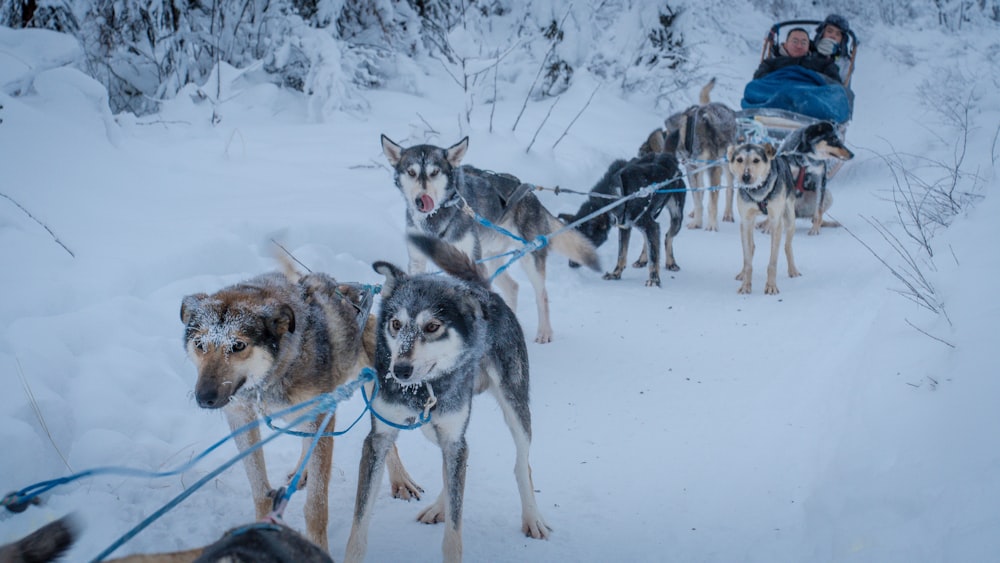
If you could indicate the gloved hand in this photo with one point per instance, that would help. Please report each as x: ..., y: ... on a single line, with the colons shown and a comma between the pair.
x: 828, y: 47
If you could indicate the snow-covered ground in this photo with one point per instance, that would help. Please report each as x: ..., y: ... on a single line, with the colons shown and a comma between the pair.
x: 687, y: 423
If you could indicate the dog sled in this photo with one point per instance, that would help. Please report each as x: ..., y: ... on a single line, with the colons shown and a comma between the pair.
x: 762, y: 121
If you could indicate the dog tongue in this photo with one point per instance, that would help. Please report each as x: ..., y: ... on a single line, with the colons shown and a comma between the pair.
x: 425, y: 203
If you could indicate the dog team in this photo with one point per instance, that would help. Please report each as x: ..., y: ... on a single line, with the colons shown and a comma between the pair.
x: 282, y: 338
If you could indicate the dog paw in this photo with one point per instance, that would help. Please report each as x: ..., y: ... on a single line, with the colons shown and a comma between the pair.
x: 771, y: 289
x: 640, y: 264
x: 793, y: 273
x: 613, y: 276
x: 745, y: 289
x: 814, y: 231
x: 536, y: 528
x: 433, y: 514
x: 672, y: 267
x: 543, y: 337
x: 694, y: 225
x: 728, y: 218
x: 302, y: 480
x: 714, y: 227
x: 406, y: 490
x: 653, y: 282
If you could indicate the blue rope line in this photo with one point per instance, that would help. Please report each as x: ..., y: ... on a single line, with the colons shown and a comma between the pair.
x: 421, y: 420
x: 187, y: 492
x: 327, y: 402
x: 32, y: 491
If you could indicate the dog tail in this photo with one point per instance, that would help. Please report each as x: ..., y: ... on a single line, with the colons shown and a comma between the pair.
x: 287, y: 267
x: 44, y: 544
x: 573, y: 245
x: 704, y: 98
x: 453, y: 261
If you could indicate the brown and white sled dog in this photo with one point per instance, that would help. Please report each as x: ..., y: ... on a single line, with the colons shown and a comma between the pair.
x: 440, y: 341
x: 765, y: 185
x: 274, y: 341
x: 437, y: 190
x: 699, y: 137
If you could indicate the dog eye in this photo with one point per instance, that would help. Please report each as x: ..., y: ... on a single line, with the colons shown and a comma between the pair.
x: 434, y: 173
x: 395, y: 325
x: 739, y: 159
x: 432, y: 327
x: 239, y: 346
x: 200, y: 346
x: 411, y: 173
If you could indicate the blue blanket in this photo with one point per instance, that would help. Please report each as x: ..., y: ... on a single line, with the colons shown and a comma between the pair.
x: 801, y: 90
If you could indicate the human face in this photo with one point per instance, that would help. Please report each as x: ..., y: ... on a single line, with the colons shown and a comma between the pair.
x: 832, y: 32
x: 797, y: 44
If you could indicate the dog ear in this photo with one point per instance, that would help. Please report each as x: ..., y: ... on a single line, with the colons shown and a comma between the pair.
x: 393, y: 275
x: 770, y: 151
x: 392, y: 150
x: 456, y: 152
x: 281, y: 321
x: 729, y: 153
x: 189, y: 304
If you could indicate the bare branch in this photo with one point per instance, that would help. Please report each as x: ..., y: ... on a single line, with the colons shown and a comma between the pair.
x: 542, y: 124
x: 44, y: 226
x: 577, y: 115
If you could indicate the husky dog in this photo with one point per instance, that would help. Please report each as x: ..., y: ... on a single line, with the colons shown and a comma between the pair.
x: 440, y: 341
x: 262, y: 542
x: 625, y: 178
x: 274, y: 341
x: 765, y: 184
x: 812, y: 146
x: 700, y: 136
x: 437, y: 191
x: 47, y: 543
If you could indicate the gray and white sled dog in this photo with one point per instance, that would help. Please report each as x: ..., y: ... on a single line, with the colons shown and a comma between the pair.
x: 437, y: 190
x: 440, y: 341
x: 274, y: 341
x: 815, y: 145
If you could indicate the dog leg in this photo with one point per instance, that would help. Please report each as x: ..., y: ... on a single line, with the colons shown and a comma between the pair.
x: 418, y: 262
x: 403, y: 486
x: 696, y: 196
x: 715, y: 181
x: 508, y: 289
x: 652, y: 234
x: 373, y: 454
x: 793, y: 272
x: 669, y: 263
x: 623, y: 236
x: 316, y: 509
x: 518, y: 418
x: 456, y: 456
x: 534, y: 266
x: 239, y: 415
x: 643, y: 258
x: 771, y: 285
x: 747, y: 219
x: 727, y: 216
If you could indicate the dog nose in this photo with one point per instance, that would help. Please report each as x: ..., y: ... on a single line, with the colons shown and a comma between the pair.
x: 402, y: 371
x: 746, y: 178
x: 207, y: 398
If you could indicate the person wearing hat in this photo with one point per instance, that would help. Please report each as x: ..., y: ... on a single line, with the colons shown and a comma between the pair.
x: 831, y: 41
x: 795, y: 52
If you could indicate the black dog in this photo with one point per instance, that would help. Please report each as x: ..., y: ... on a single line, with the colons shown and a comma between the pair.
x: 623, y: 179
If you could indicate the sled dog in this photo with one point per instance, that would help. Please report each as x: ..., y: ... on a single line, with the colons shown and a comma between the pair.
x: 274, y: 341
x: 624, y: 178
x: 439, y: 193
x: 765, y: 185
x: 699, y: 136
x: 812, y: 146
x: 440, y: 341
